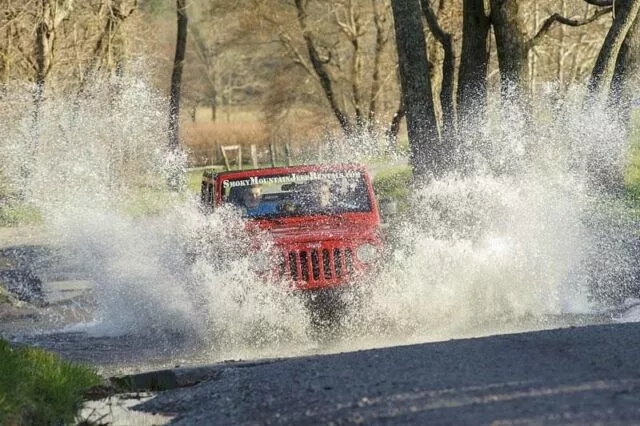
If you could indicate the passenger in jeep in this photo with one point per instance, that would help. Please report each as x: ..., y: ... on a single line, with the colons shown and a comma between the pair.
x: 319, y: 198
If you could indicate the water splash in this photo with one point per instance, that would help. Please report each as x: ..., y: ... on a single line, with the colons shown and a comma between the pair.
x: 514, y: 238
x: 482, y: 251
x: 159, y: 265
x: 526, y: 232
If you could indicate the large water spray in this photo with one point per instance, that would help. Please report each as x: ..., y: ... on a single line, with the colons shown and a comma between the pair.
x: 520, y: 234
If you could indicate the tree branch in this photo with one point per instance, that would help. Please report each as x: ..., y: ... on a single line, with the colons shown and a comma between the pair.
x: 599, y: 3
x: 320, y: 69
x: 556, y: 17
x: 432, y: 22
x: 297, y: 56
x: 285, y: 40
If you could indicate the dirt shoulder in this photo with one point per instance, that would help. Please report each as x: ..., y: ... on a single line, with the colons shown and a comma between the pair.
x: 23, y: 235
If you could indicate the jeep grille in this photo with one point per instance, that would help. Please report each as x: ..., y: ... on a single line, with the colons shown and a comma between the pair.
x: 317, y: 265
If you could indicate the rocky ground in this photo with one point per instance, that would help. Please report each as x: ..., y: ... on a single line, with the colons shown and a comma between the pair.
x: 36, y: 287
x: 20, y: 289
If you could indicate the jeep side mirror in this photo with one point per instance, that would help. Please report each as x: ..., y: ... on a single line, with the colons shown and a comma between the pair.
x: 206, y: 196
x: 388, y: 208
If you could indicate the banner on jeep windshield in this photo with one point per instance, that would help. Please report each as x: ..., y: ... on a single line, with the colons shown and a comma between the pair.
x: 292, y: 178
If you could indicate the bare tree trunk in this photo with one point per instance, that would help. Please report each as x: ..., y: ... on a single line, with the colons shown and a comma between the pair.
x: 448, y: 72
x: 427, y: 153
x: 608, y: 81
x: 103, y: 52
x: 604, y: 69
x: 577, y: 54
x: 626, y: 77
x: 176, y: 76
x: 394, y: 128
x: 561, y: 49
x: 356, y: 70
x: 44, y: 46
x: 378, y: 21
x: 43, y: 49
x: 474, y: 59
x: 5, y: 62
x: 511, y: 46
x: 50, y: 14
x: 118, y: 12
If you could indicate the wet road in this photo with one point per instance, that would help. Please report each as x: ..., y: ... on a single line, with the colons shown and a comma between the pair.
x: 581, y: 375
x: 586, y: 372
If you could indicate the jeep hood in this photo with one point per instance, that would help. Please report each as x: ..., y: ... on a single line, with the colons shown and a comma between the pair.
x: 329, y: 228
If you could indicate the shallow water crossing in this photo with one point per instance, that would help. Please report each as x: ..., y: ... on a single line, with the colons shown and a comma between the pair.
x: 512, y: 243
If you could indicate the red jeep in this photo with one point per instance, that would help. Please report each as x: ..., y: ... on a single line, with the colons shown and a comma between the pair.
x: 324, y: 220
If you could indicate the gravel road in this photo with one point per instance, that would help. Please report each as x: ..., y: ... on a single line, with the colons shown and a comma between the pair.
x: 580, y: 375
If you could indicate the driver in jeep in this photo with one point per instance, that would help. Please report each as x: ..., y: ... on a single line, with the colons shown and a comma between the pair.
x: 252, y: 204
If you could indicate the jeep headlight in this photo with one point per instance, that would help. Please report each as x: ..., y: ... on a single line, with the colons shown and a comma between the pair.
x: 367, y: 253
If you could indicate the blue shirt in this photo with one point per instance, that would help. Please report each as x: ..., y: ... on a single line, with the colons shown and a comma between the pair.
x: 262, y: 209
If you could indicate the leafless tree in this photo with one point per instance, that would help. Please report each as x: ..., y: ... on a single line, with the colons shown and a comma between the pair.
x: 176, y: 76
x: 319, y: 65
x: 342, y: 46
x: 513, y: 44
x: 117, y: 11
x: 428, y: 156
x: 604, y: 68
x: 51, y: 13
x: 207, y: 56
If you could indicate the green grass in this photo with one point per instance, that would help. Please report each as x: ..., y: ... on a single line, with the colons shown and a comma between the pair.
x: 37, y: 388
x: 394, y: 183
x: 146, y: 201
x: 16, y: 214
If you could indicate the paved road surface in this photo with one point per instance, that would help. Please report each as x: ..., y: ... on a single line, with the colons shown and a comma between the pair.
x: 582, y: 375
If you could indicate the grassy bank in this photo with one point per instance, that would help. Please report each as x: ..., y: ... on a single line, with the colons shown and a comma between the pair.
x: 394, y: 183
x: 16, y: 213
x: 37, y: 388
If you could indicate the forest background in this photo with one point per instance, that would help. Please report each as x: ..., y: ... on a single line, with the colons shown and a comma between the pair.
x: 304, y: 72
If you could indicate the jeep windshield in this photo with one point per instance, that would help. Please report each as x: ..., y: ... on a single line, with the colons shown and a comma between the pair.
x: 298, y: 194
